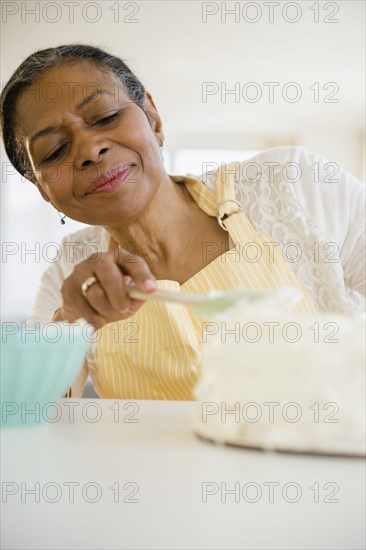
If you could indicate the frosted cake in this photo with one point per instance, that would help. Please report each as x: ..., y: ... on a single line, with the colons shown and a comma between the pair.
x: 283, y: 381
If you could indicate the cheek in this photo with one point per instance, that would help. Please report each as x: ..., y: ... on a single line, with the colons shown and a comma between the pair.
x: 141, y: 138
x: 151, y: 156
x: 56, y: 179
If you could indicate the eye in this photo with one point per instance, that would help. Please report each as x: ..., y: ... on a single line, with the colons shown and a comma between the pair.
x: 108, y: 119
x: 56, y: 154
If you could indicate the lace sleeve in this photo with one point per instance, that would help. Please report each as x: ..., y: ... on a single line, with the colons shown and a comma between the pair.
x: 271, y: 204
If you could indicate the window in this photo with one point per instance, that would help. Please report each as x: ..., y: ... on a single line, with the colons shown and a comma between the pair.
x: 199, y: 161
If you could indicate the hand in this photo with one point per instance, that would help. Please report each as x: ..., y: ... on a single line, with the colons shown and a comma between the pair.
x: 106, y: 300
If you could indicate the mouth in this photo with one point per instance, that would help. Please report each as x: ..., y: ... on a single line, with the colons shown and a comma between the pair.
x: 111, y: 180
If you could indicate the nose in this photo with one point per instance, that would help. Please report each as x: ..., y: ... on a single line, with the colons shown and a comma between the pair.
x: 90, y: 150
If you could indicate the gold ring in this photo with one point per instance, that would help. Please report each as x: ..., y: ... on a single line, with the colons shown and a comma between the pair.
x: 87, y: 284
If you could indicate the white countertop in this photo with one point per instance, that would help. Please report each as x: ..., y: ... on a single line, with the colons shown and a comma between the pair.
x: 168, y: 485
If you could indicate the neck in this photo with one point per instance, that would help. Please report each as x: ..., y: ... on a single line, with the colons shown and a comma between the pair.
x: 159, y: 233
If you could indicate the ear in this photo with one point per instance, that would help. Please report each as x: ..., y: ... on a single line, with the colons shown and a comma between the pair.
x: 154, y: 117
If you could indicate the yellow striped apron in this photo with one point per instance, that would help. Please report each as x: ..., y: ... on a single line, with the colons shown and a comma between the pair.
x: 156, y: 353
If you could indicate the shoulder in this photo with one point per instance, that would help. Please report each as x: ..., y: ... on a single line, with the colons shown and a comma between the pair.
x: 89, y: 234
x: 79, y: 245
x: 264, y: 161
x: 294, y: 167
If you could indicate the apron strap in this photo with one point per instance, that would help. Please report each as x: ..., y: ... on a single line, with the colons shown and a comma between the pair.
x: 228, y: 209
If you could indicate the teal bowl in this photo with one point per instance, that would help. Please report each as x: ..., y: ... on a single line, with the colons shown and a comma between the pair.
x: 38, y: 365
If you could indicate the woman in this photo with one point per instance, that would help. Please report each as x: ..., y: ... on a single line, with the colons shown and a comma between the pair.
x: 78, y: 124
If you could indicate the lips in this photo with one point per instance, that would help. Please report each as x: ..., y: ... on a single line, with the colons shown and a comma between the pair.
x: 111, y: 179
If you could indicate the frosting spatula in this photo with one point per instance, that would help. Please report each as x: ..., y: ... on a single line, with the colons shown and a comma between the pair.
x: 216, y: 301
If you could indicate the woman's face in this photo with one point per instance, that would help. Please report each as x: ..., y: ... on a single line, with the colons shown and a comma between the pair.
x: 94, y: 154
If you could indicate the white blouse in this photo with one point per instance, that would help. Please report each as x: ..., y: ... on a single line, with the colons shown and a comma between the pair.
x: 313, y: 209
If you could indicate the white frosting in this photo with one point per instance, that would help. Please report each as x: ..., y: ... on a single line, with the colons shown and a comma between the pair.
x: 295, y: 386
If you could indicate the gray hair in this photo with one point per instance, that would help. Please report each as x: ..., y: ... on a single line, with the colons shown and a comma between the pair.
x: 32, y: 69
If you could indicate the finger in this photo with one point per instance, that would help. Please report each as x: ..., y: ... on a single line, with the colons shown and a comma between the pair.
x: 135, y: 303
x: 137, y: 268
x: 127, y: 279
x: 111, y: 281
x: 76, y: 304
x: 87, y: 313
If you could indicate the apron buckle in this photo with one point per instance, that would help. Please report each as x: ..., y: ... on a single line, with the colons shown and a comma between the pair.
x: 221, y: 219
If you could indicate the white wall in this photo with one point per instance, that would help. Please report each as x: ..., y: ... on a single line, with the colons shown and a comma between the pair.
x: 174, y: 51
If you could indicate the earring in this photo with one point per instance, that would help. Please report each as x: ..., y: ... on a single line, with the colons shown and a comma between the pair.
x: 62, y: 220
x: 161, y: 151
